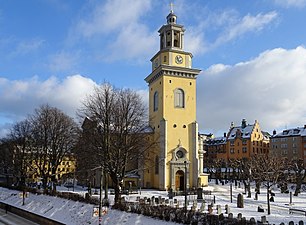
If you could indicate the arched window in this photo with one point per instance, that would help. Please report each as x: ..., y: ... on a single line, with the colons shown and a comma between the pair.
x: 156, y: 164
x: 155, y: 101
x: 179, y: 98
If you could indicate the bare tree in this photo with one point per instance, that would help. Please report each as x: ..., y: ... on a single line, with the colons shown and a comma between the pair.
x: 269, y: 171
x: 245, y: 171
x: 120, y: 123
x: 299, y: 174
x: 6, y: 160
x: 19, y: 139
x: 54, y: 135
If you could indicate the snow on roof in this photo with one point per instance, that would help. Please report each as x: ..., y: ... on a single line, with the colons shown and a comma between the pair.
x: 245, y: 132
x: 298, y: 131
x: 215, y: 141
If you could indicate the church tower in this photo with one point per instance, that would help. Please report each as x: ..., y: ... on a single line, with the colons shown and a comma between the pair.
x: 178, y: 161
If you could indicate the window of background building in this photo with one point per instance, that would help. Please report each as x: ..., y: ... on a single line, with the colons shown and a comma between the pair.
x: 294, y: 145
x: 232, y: 151
x: 284, y: 145
x: 244, y: 149
x: 283, y: 139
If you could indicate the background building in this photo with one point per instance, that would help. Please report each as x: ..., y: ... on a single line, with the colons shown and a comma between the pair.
x: 241, y: 142
x: 290, y: 143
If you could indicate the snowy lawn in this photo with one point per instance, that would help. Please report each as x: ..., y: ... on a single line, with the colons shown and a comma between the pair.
x: 74, y: 213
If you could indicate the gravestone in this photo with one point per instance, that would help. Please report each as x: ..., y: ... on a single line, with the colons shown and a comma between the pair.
x: 264, y: 220
x: 200, y: 193
x: 175, y: 201
x: 301, y: 222
x: 163, y: 201
x: 239, y: 216
x: 156, y: 201
x: 252, y: 221
x: 210, y: 209
x: 219, y: 210
x: 227, y: 209
x: 170, y: 193
x: 137, y: 198
x: 260, y: 209
x: 291, y: 223
x: 240, y: 201
x: 230, y: 216
x: 202, y: 209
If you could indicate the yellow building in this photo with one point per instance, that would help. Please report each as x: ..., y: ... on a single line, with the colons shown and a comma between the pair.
x: 178, y: 159
x: 247, y: 140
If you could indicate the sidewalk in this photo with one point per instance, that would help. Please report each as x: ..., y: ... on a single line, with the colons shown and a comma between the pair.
x: 12, y: 219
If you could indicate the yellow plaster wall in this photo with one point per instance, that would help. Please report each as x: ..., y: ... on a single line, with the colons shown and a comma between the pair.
x: 166, y: 85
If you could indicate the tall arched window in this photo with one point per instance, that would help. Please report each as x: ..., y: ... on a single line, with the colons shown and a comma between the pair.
x: 156, y: 164
x: 179, y: 98
x: 155, y: 101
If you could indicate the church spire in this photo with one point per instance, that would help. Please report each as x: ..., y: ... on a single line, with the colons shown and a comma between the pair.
x: 171, y: 18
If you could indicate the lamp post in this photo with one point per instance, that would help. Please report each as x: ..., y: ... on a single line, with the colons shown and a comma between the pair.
x: 140, y: 186
x: 101, y: 200
x: 185, y: 162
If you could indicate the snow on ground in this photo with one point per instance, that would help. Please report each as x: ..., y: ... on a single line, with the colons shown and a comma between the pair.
x: 77, y: 213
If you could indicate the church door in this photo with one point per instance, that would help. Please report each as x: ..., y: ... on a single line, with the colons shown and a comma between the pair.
x: 179, y: 180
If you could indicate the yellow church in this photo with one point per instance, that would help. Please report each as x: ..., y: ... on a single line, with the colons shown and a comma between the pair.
x: 178, y: 157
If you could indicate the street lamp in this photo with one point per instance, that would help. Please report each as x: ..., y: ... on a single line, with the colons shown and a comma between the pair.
x: 185, y: 162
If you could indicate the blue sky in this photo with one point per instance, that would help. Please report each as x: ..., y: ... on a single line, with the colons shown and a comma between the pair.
x: 252, y: 55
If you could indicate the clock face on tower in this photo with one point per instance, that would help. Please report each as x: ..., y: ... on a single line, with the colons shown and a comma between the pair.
x: 179, y: 59
x: 179, y: 154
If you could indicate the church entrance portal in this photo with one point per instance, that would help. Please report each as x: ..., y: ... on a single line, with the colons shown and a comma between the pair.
x: 179, y: 180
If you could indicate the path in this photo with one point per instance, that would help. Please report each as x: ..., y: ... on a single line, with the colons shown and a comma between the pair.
x: 12, y: 219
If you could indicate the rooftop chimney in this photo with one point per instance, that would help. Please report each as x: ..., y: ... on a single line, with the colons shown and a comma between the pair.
x: 274, y: 132
x: 243, y: 123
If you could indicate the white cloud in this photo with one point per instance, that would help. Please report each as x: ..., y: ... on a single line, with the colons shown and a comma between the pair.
x: 122, y: 29
x: 27, y: 46
x: 244, y: 25
x: 113, y: 15
x: 18, y: 98
x: 291, y: 3
x: 269, y: 88
x: 63, y: 61
x: 212, y: 29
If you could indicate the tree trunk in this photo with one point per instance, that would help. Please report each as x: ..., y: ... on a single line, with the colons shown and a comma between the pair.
x: 298, y: 187
x: 258, y: 187
x: 117, y: 193
x: 268, y: 199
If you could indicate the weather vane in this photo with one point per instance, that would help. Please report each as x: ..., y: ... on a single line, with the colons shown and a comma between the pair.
x: 171, y: 7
